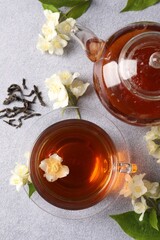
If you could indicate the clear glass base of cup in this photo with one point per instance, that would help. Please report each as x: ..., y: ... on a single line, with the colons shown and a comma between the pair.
x: 121, y: 148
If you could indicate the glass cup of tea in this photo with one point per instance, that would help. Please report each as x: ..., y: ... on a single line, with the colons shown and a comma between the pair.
x: 96, y: 154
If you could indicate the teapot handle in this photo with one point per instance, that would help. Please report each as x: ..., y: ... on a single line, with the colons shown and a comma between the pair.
x: 91, y: 44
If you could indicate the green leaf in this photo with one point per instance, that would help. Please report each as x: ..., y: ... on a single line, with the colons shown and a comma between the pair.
x: 31, y: 188
x: 78, y: 10
x: 130, y: 224
x: 50, y: 7
x: 72, y: 98
x: 62, y: 3
x: 137, y: 5
x: 153, y: 219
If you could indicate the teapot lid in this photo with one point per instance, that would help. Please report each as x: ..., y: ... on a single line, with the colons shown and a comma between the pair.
x: 139, y: 65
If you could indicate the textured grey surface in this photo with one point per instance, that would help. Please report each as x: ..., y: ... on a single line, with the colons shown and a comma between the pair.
x: 21, y: 22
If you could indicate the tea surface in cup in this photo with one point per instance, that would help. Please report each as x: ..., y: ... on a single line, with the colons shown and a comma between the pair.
x: 89, y: 153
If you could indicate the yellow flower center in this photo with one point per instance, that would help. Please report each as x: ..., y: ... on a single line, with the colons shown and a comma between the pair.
x: 57, y: 44
x: 67, y: 28
x: 16, y: 181
x: 138, y: 189
x: 65, y: 76
x: 52, y: 167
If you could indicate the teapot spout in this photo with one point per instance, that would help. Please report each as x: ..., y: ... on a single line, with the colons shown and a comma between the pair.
x: 91, y: 44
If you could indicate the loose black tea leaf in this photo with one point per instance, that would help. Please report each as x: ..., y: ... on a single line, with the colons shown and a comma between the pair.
x: 20, y: 121
x: 9, y: 110
x: 14, y: 88
x: 12, y: 120
x: 14, y: 114
x: 32, y: 115
x: 10, y: 123
x: 26, y: 108
x: 24, y: 83
x: 2, y: 116
x: 28, y: 103
x: 38, y: 94
x: 12, y: 98
x: 3, y: 110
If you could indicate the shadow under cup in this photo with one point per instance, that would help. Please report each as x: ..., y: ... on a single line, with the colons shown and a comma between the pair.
x: 91, y: 156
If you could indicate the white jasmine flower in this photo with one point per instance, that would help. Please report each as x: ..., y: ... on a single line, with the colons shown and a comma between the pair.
x: 152, y: 146
x: 64, y: 87
x: 52, y: 18
x: 66, y: 26
x: 78, y: 88
x: 49, y: 31
x: 53, y: 168
x: 153, y: 189
x: 140, y: 207
x: 151, y: 186
x: 55, y: 35
x: 21, y: 170
x: 58, y: 44
x: 67, y: 77
x: 153, y: 133
x: 57, y: 92
x: 20, y: 176
x: 17, y: 181
x: 44, y: 45
x: 150, y: 135
x: 134, y: 187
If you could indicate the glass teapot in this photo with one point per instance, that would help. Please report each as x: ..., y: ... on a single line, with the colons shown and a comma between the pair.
x: 127, y: 71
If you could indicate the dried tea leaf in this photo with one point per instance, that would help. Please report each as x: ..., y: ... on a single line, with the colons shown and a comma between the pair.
x: 39, y: 96
x: 24, y: 83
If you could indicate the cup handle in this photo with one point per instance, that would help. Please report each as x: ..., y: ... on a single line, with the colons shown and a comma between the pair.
x: 127, y: 168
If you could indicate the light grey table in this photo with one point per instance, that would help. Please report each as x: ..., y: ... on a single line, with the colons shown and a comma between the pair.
x: 21, y: 22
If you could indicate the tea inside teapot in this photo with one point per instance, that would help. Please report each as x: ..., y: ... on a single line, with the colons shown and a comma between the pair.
x: 127, y: 72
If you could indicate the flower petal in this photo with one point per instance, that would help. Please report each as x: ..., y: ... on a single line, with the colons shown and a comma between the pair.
x: 78, y: 88
x: 52, y: 18
x: 66, y: 77
x: 43, y: 165
x: 49, y: 32
x: 50, y: 178
x: 56, y: 157
x: 64, y: 171
x: 66, y: 26
x: 16, y: 181
x: 43, y: 44
x: 21, y: 170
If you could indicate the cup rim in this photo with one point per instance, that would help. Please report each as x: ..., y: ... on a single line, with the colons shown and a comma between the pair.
x: 78, y: 214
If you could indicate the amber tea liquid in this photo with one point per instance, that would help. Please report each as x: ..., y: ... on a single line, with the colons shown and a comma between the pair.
x: 121, y: 102
x: 90, y: 155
